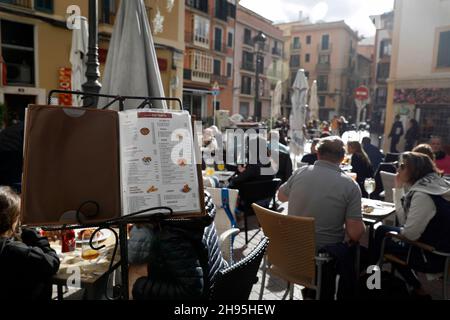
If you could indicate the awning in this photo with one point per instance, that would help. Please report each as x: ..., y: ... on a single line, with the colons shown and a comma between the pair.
x: 198, y: 91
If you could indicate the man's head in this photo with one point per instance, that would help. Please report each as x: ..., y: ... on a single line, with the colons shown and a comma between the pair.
x: 365, y: 141
x: 397, y: 117
x: 436, y: 144
x: 331, y: 149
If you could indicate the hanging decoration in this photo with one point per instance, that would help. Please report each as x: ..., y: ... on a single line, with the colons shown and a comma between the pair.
x: 170, y: 5
x: 158, y: 23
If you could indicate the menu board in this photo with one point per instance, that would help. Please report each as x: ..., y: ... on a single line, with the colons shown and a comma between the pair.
x: 158, y: 165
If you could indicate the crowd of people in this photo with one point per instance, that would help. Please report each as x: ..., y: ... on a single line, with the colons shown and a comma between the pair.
x: 321, y: 189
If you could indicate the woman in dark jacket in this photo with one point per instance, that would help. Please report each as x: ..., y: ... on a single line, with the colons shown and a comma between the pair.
x: 183, y: 259
x: 360, y: 164
x: 412, y: 135
x: 25, y: 266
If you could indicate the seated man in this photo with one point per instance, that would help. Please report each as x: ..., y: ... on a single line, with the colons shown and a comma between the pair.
x: 333, y: 199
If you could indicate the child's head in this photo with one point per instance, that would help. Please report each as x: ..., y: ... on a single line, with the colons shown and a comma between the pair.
x: 9, y: 211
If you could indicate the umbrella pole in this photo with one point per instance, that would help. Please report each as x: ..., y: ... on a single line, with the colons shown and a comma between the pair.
x: 93, y: 65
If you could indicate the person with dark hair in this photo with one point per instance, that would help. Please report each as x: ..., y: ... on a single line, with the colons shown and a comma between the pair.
x: 442, y: 159
x: 183, y: 257
x: 360, y: 164
x: 251, y: 170
x: 396, y: 133
x: 412, y: 135
x: 374, y: 153
x: 425, y: 149
x: 326, y: 193
x: 27, y: 262
x: 422, y: 204
x: 311, y: 158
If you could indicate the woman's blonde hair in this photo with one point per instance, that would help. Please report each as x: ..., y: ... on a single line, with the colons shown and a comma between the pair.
x: 9, y: 210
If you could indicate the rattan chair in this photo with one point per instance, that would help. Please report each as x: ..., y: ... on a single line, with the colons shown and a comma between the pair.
x: 236, y: 282
x: 292, y: 250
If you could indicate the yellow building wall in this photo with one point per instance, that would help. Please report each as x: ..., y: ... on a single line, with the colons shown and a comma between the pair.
x: 53, y: 43
x: 53, y: 53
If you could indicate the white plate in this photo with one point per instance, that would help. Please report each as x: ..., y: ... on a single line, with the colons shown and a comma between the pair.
x: 104, y: 234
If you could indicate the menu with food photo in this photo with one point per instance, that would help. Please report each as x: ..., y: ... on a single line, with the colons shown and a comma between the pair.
x: 110, y: 163
x: 158, y: 166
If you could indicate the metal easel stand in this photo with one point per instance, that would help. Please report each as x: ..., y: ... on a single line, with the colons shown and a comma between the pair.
x: 146, y: 101
x: 121, y: 240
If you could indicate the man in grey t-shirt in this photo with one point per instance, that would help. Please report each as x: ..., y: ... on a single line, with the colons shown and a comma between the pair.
x: 326, y: 193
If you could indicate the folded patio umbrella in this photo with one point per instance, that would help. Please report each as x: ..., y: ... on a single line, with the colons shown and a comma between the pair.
x: 313, y: 103
x: 78, y: 58
x: 132, y: 66
x: 276, y: 101
x: 298, y: 117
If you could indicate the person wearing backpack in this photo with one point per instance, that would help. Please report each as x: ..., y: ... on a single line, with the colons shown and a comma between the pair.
x: 422, y: 202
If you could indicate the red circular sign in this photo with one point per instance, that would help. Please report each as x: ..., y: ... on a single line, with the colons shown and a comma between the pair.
x: 362, y: 93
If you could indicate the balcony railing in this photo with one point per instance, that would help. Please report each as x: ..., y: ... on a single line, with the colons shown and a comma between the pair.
x: 221, y: 80
x: 276, y: 51
x: 248, y: 41
x: 220, y: 47
x: 201, y: 5
x: 108, y: 11
x: 196, y: 39
x: 321, y: 67
x: 296, y: 47
x: 249, y: 66
x: 321, y: 48
x: 28, y: 4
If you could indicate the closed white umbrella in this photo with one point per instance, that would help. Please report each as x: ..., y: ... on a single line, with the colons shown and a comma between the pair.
x: 276, y: 100
x: 132, y: 66
x: 78, y: 58
x: 313, y: 103
x: 298, y: 118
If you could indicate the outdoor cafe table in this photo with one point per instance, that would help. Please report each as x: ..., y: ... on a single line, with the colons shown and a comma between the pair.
x: 93, y: 276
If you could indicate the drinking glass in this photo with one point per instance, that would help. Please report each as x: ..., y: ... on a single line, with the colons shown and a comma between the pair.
x: 210, y: 170
x: 221, y: 167
x: 87, y: 253
x: 369, y: 185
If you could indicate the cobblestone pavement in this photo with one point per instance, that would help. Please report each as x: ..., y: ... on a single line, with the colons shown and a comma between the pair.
x: 276, y: 287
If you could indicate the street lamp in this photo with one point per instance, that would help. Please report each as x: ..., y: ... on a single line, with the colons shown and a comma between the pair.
x: 258, y: 41
x: 93, y: 71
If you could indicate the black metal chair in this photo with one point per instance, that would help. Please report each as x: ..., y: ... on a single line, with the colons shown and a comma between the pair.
x: 392, y: 157
x: 236, y: 282
x: 252, y: 192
